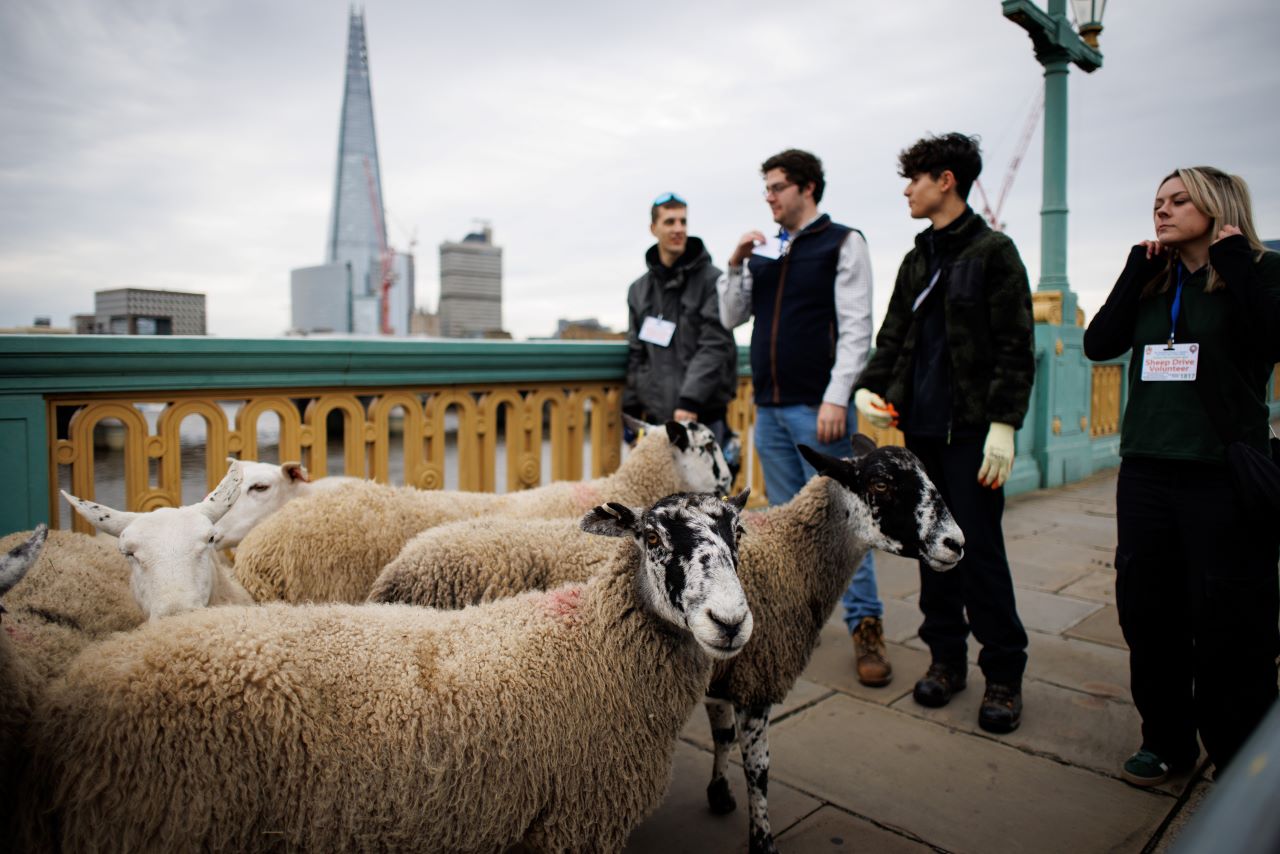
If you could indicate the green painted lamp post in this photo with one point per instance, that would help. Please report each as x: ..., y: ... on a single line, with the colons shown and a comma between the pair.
x: 1057, y: 45
x: 1057, y: 436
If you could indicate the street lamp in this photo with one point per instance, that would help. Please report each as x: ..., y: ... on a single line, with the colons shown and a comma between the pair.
x: 1088, y: 14
x: 1057, y: 45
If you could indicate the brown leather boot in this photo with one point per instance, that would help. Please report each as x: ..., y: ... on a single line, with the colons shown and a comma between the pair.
x: 874, y: 669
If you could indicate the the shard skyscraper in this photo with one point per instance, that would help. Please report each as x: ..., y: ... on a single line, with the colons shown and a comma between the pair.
x: 346, y: 293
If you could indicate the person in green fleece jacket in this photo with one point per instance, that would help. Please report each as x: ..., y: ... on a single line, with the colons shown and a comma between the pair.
x: 955, y: 358
x: 1196, y: 582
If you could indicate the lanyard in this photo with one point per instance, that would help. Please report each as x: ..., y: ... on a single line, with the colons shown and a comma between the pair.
x: 1177, y: 307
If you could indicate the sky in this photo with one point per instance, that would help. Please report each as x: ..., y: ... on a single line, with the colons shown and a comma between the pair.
x: 192, y: 145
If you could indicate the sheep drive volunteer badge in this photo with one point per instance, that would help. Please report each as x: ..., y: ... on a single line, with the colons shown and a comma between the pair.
x: 1170, y: 362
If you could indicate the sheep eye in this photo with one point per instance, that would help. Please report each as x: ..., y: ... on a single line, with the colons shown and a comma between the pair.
x: 259, y: 487
x: 879, y: 487
x: 651, y: 538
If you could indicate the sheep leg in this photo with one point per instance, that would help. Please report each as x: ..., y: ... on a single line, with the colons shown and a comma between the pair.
x: 723, y: 736
x: 753, y: 738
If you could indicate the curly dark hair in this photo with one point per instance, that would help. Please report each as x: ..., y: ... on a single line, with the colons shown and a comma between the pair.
x: 801, y: 168
x: 952, y: 152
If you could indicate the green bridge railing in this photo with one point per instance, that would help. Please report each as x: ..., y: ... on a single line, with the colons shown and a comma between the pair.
x: 1070, y: 433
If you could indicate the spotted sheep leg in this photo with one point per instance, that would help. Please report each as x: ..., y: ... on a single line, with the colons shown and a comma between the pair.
x: 753, y: 739
x: 723, y: 736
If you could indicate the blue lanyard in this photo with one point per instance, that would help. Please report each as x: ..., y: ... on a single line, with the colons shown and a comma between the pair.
x: 1177, y: 306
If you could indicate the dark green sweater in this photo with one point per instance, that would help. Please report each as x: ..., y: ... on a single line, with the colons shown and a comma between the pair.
x: 1238, y: 330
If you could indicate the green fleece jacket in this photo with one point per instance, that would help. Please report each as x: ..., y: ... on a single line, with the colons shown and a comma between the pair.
x: 989, y: 328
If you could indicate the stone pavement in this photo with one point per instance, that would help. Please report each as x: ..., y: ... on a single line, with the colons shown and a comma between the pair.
x: 868, y: 770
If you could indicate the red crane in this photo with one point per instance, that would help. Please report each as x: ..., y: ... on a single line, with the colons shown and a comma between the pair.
x: 991, y: 215
x: 385, y: 256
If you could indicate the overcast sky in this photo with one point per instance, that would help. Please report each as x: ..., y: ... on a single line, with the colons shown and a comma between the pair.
x: 192, y: 145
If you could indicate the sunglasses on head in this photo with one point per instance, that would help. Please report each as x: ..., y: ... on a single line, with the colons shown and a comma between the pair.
x: 668, y: 198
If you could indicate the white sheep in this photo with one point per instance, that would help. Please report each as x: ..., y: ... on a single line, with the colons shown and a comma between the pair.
x: 264, y: 489
x: 172, y: 551
x: 796, y: 561
x: 547, y: 719
x: 329, y: 547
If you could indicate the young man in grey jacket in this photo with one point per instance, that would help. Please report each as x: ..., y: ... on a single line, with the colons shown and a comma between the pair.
x: 681, y: 363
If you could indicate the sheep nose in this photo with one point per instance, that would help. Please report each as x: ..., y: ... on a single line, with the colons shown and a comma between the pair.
x: 953, y: 544
x: 729, y: 627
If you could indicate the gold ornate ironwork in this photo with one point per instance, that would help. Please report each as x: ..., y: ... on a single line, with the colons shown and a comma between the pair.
x: 559, y: 413
x: 525, y: 415
x: 1104, y: 400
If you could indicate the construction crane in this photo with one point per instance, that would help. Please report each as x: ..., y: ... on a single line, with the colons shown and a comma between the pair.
x: 386, y: 257
x: 990, y: 214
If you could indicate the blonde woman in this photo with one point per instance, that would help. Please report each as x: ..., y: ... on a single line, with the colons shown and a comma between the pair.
x: 1196, y: 581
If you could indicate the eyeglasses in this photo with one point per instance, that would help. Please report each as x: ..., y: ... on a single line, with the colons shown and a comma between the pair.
x: 669, y: 198
x: 776, y: 189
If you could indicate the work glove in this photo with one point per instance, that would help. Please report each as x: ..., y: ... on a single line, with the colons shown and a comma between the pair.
x: 997, y: 456
x: 873, y: 408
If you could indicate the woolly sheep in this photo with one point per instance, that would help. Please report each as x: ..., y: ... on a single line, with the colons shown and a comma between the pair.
x: 548, y: 718
x: 330, y: 547
x: 59, y: 599
x: 172, y: 551
x: 796, y: 561
x: 18, y: 680
x: 264, y: 489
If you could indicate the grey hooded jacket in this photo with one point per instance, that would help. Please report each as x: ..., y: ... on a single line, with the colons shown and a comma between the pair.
x: 698, y: 370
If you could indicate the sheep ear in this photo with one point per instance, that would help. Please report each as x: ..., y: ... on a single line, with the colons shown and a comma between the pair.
x: 217, y: 503
x: 102, y: 517
x: 739, y: 501
x: 611, y: 520
x: 637, y: 426
x: 14, y: 565
x: 825, y: 465
x: 862, y: 445
x: 678, y: 434
x: 296, y: 472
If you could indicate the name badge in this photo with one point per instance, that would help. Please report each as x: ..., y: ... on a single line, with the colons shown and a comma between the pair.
x: 1161, y: 363
x: 655, y: 330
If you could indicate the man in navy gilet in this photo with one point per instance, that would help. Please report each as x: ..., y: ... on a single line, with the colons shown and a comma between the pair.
x: 809, y: 289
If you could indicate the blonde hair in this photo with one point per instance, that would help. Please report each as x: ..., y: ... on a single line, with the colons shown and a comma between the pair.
x: 1225, y: 200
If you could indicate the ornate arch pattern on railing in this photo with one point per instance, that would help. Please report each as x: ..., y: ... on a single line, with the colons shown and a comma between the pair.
x: 528, y: 414
x: 1105, y: 399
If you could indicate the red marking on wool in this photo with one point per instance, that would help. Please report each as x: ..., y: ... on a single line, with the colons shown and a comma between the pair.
x: 563, y: 601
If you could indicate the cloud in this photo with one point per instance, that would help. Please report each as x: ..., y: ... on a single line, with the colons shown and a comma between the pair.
x: 193, y: 146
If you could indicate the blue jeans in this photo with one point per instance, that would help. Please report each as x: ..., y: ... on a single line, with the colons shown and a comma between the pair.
x: 778, y: 430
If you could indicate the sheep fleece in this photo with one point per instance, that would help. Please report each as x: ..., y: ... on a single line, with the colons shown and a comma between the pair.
x: 795, y: 561
x: 550, y: 717
x: 330, y: 546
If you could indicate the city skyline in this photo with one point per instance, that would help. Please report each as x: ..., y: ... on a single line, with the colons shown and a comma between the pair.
x: 192, y: 148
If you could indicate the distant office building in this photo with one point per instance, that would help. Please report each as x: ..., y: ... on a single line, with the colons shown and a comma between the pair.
x: 357, y: 239
x: 140, y: 311
x: 471, y: 286
x: 39, y: 326
x: 586, y: 329
x: 424, y: 323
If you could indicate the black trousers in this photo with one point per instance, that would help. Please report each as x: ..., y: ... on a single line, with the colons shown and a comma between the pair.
x: 977, y: 595
x: 1198, y: 595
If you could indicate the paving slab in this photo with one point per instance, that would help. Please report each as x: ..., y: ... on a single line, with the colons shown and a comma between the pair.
x: 901, y: 619
x: 1101, y: 627
x: 1080, y: 665
x: 1051, y: 613
x: 832, y: 665
x: 698, y: 729
x: 684, y: 825
x: 1051, y: 564
x: 832, y: 830
x: 1097, y: 586
x: 1201, y: 788
x: 954, y: 791
x: 896, y: 577
x: 1073, y: 727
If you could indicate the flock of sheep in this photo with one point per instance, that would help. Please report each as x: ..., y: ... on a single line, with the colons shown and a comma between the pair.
x: 397, y: 669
